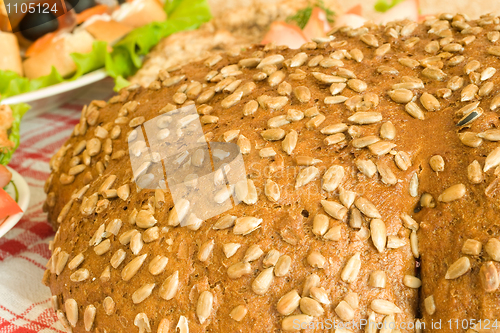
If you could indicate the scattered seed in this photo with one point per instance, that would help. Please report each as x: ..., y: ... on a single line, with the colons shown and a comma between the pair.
x: 470, y: 139
x: 367, y: 167
x: 429, y: 102
x: 378, y: 279
x: 458, y: 268
x: 453, y: 193
x: 492, y: 160
x: 430, y: 305
x: 384, y: 307
x: 488, y: 275
x: 367, y: 208
x: 364, y: 118
x: 492, y: 247
x: 351, y: 269
x: 282, y: 266
x: 306, y: 175
x: 170, y: 286
x: 334, y: 209
x: 437, y: 163
x: 204, y: 306
x: 288, y: 303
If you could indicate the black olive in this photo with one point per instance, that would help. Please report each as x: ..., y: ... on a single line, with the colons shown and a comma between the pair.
x: 80, y: 5
x: 36, y: 25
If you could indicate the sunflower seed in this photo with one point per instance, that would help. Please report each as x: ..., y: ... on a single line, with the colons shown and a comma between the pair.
x: 469, y: 92
x: 278, y: 121
x: 470, y: 117
x: 132, y: 267
x: 288, y: 303
x: 414, y: 244
x: 178, y: 213
x: 334, y: 234
x: 367, y: 167
x: 302, y: 93
x: 335, y: 99
x: 470, y: 139
x: 387, y: 131
x: 402, y: 160
x: 365, y: 117
x: 136, y: 243
x: 474, y: 173
x: 492, y: 160
x: 346, y: 197
x: 238, y: 313
x: 434, y: 73
x: 430, y: 305
x: 408, y: 62
x: 331, y: 62
x: 488, y: 275
x: 334, y: 209
x: 282, y: 266
x: 472, y: 247
x: 381, y: 148
x: 316, y: 259
x: 382, y: 50
x: 432, y: 47
x: 245, y: 225
x: 394, y: 242
x: 76, y: 261
x: 369, y: 40
x: 492, y: 247
x: 378, y: 279
x: 294, y: 115
x: 333, y: 177
x: 306, y: 175
x: 142, y: 293
x: 311, y: 307
x: 225, y: 222
x: 351, y: 269
x: 141, y: 320
x: 273, y: 134
x: 71, y: 308
x: 384, y: 307
x: 80, y: 275
x: 412, y: 281
x: 458, y: 268
x: 429, y: 102
x: 65, y: 179
x: 367, y: 208
x: 486, y: 89
x: 272, y: 190
x: 118, y: 258
x: 89, y: 317
x: 310, y: 282
x: 378, y: 234
x: 204, y: 306
x: 263, y: 281
x: 145, y: 219
x: 328, y: 79
x: 453, y: 193
x: 276, y: 60
x: 437, y: 163
x: 388, y: 177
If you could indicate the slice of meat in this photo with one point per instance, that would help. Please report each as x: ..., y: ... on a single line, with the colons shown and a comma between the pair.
x: 282, y: 33
x: 318, y: 25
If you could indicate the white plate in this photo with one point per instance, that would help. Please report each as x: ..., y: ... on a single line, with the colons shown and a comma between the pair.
x: 53, y: 96
x: 23, y: 200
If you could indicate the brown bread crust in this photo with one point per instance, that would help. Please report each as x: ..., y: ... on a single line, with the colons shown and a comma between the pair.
x: 466, y: 211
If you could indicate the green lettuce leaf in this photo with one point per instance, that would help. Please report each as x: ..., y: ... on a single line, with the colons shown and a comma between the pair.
x: 383, y: 5
x: 126, y: 57
x: 18, y: 112
x: 302, y: 16
x: 123, y: 61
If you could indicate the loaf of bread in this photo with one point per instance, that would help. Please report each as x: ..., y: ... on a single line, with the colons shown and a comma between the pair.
x: 369, y: 193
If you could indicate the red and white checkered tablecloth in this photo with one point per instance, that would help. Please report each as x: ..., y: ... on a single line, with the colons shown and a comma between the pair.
x: 24, y: 301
